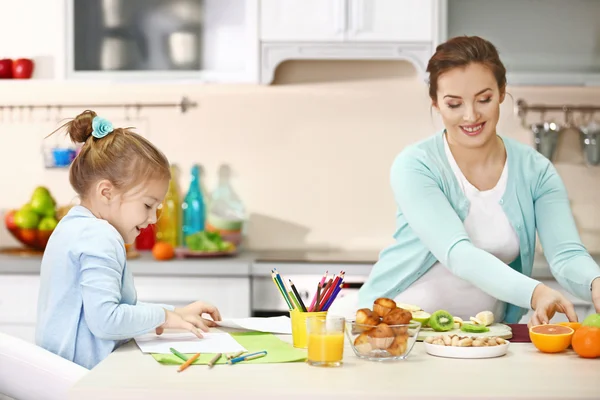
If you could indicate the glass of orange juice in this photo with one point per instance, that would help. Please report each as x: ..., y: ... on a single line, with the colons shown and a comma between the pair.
x: 325, y: 342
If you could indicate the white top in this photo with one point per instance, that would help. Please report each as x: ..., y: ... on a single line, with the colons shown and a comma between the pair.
x: 489, y: 229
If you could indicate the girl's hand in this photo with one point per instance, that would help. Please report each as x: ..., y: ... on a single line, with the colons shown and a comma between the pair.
x: 196, y: 309
x: 546, y: 302
x: 174, y: 320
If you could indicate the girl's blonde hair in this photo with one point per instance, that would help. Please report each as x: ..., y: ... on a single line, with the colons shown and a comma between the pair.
x: 123, y: 157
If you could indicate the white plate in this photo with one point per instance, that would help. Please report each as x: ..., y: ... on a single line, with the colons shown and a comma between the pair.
x: 466, y: 352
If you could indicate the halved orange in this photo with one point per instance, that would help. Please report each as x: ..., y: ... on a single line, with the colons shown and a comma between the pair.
x: 574, y: 325
x: 551, y: 338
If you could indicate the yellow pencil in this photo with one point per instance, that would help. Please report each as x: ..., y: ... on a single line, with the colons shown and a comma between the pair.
x: 188, y: 362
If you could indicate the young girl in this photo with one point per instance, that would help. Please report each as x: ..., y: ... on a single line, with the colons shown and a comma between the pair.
x: 88, y: 305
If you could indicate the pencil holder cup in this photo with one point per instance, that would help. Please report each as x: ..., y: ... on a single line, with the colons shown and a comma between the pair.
x: 299, y: 328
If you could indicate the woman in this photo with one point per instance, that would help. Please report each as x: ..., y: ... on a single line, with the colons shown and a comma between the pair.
x: 469, y: 202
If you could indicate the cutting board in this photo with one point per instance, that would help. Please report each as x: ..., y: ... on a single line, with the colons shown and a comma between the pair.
x: 497, y: 330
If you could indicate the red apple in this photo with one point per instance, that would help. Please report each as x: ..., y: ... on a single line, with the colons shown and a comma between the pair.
x: 22, y: 68
x: 9, y: 219
x: 6, y: 66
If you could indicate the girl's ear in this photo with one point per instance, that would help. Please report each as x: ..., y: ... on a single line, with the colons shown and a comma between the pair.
x: 105, y: 191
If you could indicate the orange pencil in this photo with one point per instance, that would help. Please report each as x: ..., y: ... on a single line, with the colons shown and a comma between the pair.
x: 188, y: 362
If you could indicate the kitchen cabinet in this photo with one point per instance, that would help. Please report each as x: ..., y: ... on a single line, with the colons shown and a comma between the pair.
x: 200, y: 40
x: 18, y: 305
x: 346, y: 30
x: 541, y: 42
x: 390, y: 20
x: 346, y: 20
x: 303, y: 20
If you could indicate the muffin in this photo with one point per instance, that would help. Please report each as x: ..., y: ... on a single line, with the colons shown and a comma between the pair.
x: 383, y: 306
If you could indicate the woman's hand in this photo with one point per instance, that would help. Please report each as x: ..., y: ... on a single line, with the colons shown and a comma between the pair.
x: 596, y: 294
x: 190, y: 318
x: 546, y: 302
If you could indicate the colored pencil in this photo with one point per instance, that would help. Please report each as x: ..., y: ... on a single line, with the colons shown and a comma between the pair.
x: 235, y: 355
x: 290, y: 306
x: 283, y: 288
x: 332, y: 298
x: 214, y: 360
x: 316, y: 307
x: 302, y: 306
x: 325, y: 298
x: 178, y: 354
x: 295, y: 301
x: 248, y: 357
x: 188, y: 362
x: 314, y: 300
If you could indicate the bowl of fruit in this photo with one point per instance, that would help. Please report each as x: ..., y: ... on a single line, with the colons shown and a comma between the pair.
x: 384, y: 333
x: 33, y: 223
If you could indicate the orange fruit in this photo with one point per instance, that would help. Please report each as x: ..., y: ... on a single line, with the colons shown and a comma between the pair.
x: 163, y: 251
x: 586, y: 342
x: 574, y: 325
x: 551, y: 338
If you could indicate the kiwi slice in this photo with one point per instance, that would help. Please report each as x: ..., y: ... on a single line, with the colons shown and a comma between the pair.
x: 472, y: 328
x: 441, y: 321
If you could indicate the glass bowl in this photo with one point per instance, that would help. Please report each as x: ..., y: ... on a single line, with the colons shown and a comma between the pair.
x: 382, y: 342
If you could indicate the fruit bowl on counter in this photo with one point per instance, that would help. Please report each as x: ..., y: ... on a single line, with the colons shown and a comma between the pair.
x: 34, y: 222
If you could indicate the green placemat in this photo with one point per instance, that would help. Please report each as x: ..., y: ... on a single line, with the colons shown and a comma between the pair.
x: 278, y: 351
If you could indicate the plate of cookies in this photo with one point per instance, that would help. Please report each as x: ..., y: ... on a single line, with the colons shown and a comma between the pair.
x: 457, y: 346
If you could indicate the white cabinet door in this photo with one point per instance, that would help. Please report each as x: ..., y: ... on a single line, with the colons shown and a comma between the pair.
x: 391, y: 20
x: 231, y: 295
x: 302, y: 20
x: 18, y: 305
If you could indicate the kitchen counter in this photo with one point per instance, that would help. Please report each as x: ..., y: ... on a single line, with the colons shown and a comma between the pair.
x: 250, y: 263
x: 524, y: 373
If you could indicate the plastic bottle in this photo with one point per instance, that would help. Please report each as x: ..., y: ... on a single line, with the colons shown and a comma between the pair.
x: 226, y: 213
x: 193, y: 206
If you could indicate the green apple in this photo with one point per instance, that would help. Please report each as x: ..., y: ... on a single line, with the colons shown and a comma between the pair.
x: 26, y: 218
x: 47, y: 224
x: 592, y: 320
x: 43, y: 204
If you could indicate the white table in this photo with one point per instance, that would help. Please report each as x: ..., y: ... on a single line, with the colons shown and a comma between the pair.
x: 524, y: 373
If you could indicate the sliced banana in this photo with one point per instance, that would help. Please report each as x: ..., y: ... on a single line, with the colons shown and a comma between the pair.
x: 486, y: 318
x: 476, y: 321
x: 457, y: 322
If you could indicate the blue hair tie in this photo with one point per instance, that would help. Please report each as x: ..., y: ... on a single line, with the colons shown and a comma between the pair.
x: 101, y: 127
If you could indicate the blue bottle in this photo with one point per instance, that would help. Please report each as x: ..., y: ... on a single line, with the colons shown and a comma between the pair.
x: 193, y: 206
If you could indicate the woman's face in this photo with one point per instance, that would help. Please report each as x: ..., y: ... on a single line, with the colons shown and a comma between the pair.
x: 468, y: 100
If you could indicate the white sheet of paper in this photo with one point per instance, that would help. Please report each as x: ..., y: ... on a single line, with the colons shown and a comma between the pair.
x: 280, y: 324
x: 186, y: 342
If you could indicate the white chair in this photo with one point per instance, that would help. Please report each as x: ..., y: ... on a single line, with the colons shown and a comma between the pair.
x: 29, y: 372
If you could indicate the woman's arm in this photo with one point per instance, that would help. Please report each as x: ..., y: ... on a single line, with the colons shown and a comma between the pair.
x: 437, y: 225
x: 569, y: 261
x: 101, y: 276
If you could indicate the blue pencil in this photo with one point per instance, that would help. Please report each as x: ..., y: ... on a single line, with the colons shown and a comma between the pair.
x: 336, y: 291
x: 247, y: 357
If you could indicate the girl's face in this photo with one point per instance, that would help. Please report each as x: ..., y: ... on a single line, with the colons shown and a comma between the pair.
x: 468, y: 100
x: 134, y: 210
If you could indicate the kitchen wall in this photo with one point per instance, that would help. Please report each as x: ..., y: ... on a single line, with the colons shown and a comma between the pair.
x: 311, y: 154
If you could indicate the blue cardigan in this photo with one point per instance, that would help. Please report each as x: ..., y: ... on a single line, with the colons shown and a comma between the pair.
x: 88, y: 304
x: 431, y: 209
